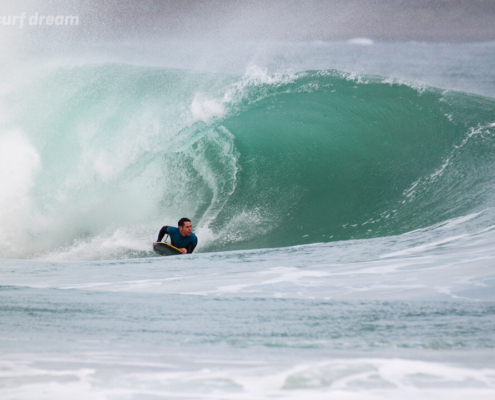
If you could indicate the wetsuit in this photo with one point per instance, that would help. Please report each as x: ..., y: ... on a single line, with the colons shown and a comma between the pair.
x: 189, y: 242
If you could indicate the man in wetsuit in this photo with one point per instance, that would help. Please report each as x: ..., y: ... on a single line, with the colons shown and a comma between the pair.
x: 181, y: 237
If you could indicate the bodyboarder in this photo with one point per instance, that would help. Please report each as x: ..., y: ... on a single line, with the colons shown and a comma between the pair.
x: 181, y: 237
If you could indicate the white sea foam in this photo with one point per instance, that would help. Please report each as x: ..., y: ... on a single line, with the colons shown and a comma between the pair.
x: 206, y: 109
x: 19, y: 164
x: 361, y: 41
x: 163, y: 376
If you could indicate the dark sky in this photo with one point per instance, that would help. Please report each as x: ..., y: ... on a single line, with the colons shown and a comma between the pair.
x: 268, y: 20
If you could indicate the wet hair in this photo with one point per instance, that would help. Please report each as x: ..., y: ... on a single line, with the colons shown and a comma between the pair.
x: 182, y: 221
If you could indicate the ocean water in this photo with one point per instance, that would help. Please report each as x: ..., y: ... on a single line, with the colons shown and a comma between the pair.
x: 343, y: 197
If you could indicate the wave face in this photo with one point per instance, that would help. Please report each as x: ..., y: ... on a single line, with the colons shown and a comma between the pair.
x: 113, y: 152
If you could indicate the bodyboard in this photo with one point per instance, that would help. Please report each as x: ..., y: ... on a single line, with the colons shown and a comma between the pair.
x: 165, y: 249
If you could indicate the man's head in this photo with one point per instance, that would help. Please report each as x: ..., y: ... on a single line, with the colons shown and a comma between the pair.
x: 185, y: 227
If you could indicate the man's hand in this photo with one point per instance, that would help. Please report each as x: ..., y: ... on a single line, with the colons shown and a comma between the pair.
x: 183, y: 251
x: 154, y: 244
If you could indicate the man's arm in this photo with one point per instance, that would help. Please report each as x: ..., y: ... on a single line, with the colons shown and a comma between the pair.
x: 162, y: 233
x: 192, y: 244
x: 190, y: 248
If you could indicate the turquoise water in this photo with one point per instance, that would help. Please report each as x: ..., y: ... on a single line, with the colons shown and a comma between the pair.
x: 344, y: 212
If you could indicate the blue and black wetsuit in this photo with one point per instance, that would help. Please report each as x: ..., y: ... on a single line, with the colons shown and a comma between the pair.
x: 189, y: 242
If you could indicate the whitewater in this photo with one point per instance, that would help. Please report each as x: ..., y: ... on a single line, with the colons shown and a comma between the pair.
x: 343, y: 197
